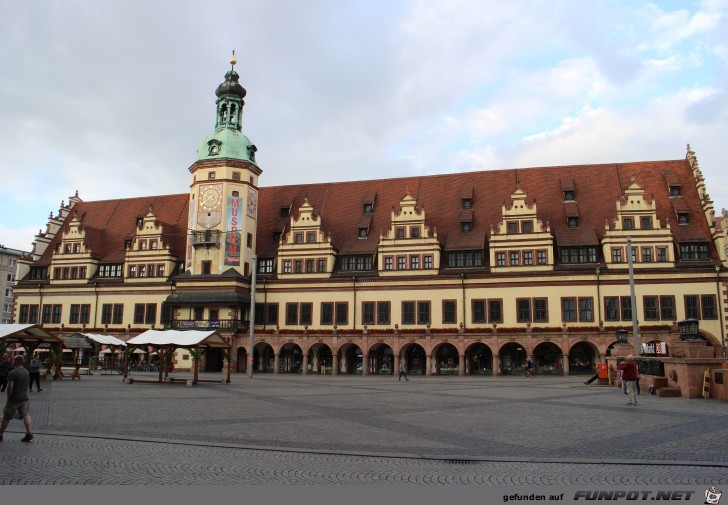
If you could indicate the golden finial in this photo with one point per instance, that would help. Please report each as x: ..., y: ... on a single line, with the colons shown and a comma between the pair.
x: 233, y: 60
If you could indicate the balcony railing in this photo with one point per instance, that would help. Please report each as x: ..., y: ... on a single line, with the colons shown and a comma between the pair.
x: 207, y: 324
x: 206, y: 237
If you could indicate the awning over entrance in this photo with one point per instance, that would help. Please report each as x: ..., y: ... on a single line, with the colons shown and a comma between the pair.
x: 180, y: 338
x: 27, y: 334
x: 208, y: 297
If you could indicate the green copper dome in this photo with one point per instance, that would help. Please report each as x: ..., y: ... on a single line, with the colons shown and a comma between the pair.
x: 228, y: 141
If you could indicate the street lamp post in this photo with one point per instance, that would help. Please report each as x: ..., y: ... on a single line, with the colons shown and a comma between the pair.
x: 251, y: 339
x: 633, y: 297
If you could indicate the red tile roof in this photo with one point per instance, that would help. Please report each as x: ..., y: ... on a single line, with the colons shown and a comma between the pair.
x: 340, y: 206
x: 597, y: 189
x: 108, y: 223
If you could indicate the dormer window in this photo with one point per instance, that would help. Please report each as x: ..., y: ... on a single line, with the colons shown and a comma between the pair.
x: 674, y: 190
x: 368, y: 208
x: 573, y: 222
x: 140, y: 222
x: 467, y: 203
x: 298, y: 238
x: 127, y: 245
x: 285, y: 212
x: 527, y: 227
x: 251, y: 152
x: 568, y: 196
x: 213, y: 147
x: 276, y: 236
x: 363, y: 233
x: 311, y: 237
x: 415, y: 232
x: 512, y: 227
x: 466, y: 227
x: 399, y: 233
x: 76, y: 248
x: 682, y: 218
x: 646, y: 223
x: 628, y: 223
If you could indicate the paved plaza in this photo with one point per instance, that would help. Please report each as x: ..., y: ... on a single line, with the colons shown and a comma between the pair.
x: 365, y: 430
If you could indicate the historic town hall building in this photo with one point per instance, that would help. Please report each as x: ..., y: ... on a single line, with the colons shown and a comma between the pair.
x: 464, y: 273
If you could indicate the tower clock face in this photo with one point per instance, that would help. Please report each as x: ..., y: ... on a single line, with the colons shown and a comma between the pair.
x: 210, y: 198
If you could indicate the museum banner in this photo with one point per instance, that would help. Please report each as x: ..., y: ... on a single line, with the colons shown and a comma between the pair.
x: 233, y: 235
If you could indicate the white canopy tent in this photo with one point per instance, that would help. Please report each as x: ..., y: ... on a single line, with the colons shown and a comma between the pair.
x: 164, y: 342
x: 104, y: 339
x: 29, y: 335
x: 180, y: 338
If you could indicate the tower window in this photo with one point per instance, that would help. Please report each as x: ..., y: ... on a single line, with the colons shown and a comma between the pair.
x: 236, y: 176
x: 211, y: 175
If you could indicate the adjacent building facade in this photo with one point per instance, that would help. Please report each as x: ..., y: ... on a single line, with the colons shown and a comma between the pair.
x: 8, y: 272
x: 465, y: 274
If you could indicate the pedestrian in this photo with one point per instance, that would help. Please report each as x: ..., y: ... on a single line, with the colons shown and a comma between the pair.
x: 35, y: 373
x: 528, y: 369
x: 592, y: 379
x: 17, y: 382
x: 630, y: 375
x: 402, y: 372
x: 6, y: 367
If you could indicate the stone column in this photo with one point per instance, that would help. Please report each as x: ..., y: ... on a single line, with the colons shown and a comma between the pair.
x: 565, y: 359
x: 365, y: 364
x: 335, y: 364
x: 461, y: 365
x: 428, y: 365
x: 496, y: 365
x: 305, y: 364
x: 395, y: 364
x: 276, y: 362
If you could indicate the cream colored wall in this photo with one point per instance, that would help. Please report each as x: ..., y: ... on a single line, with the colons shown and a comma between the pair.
x: 552, y: 288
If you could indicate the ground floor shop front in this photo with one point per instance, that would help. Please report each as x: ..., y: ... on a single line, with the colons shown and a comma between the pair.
x: 561, y: 354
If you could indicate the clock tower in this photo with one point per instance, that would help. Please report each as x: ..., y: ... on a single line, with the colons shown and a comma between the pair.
x: 224, y: 191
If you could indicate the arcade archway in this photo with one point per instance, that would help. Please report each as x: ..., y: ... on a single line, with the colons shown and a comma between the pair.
x: 241, y: 361
x: 446, y: 359
x: 351, y: 359
x: 548, y: 358
x: 478, y: 360
x: 512, y: 359
x: 290, y: 359
x: 583, y: 357
x: 320, y: 358
x: 381, y: 360
x: 415, y: 359
x: 263, y: 358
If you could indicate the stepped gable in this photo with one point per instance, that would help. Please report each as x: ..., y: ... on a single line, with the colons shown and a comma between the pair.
x: 110, y: 222
x: 597, y: 188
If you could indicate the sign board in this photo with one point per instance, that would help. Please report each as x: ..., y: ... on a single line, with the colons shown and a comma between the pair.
x: 654, y: 349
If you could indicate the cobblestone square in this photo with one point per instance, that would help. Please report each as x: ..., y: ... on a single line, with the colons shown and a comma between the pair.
x: 280, y: 429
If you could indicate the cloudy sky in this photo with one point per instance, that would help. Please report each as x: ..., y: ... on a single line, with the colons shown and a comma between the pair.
x: 112, y: 98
